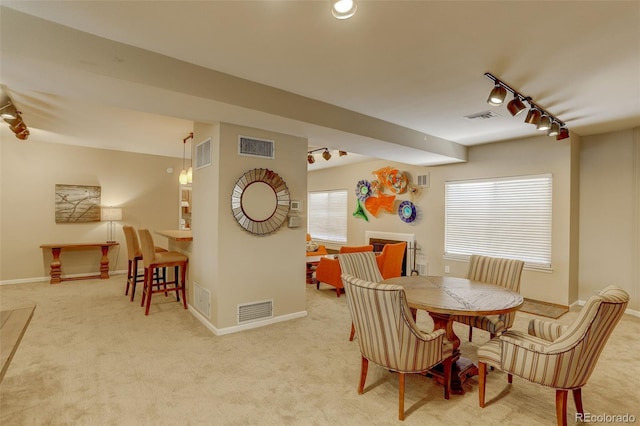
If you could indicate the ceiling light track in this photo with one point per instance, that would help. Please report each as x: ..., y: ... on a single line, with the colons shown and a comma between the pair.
x: 325, y: 154
x: 542, y: 119
x: 13, y: 118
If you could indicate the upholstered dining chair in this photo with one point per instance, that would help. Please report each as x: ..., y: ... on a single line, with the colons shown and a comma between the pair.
x: 554, y: 355
x: 498, y: 271
x: 362, y: 265
x: 388, y: 335
x: 134, y: 255
x: 153, y: 260
x: 328, y: 270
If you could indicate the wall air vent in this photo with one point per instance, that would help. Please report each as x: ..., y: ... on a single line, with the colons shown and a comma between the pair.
x: 484, y: 115
x: 423, y: 180
x: 253, y: 147
x: 203, y: 154
x: 255, y: 311
x: 202, y: 300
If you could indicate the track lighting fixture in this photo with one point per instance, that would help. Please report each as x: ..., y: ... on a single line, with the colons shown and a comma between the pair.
x: 343, y: 9
x: 325, y: 154
x: 13, y: 118
x: 186, y: 176
x: 536, y: 115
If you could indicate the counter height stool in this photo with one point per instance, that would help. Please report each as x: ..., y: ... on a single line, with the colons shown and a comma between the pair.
x: 152, y: 261
x: 134, y: 255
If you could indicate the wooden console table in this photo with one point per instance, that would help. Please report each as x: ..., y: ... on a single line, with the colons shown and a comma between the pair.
x: 56, y: 264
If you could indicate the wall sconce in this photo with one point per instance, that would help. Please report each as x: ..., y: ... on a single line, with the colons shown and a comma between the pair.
x: 186, y: 176
x: 111, y: 214
x: 536, y: 115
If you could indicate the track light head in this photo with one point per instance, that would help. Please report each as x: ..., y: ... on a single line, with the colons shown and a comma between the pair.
x: 516, y: 106
x: 326, y: 155
x: 544, y: 123
x: 562, y: 134
x: 554, y: 129
x: 9, y: 111
x: 311, y: 159
x: 497, y: 95
x: 533, y: 116
x: 342, y: 153
x: 343, y: 9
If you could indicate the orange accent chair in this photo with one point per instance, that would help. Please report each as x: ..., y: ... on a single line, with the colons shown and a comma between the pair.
x: 390, y: 260
x: 329, y: 271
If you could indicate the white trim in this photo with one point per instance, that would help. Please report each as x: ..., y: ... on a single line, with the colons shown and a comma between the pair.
x: 243, y: 327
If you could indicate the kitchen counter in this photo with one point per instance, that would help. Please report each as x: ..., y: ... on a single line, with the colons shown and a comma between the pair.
x: 176, y: 235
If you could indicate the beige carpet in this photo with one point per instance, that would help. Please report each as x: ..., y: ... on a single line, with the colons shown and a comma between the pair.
x: 90, y: 357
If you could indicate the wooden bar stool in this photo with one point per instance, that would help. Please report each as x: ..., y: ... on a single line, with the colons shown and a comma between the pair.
x: 134, y: 255
x: 153, y: 260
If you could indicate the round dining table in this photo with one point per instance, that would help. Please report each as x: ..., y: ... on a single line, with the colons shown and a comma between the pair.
x: 446, y: 297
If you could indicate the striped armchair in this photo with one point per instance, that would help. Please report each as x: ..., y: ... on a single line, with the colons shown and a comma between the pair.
x: 389, y: 337
x: 553, y: 355
x: 498, y: 271
x: 362, y: 265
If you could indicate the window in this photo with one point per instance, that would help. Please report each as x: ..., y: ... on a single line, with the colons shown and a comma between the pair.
x: 507, y: 217
x: 327, y: 216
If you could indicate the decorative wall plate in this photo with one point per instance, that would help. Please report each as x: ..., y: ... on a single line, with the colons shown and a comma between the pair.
x: 363, y: 190
x: 260, y: 201
x: 407, y: 211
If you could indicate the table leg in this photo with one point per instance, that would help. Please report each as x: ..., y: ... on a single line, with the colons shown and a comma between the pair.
x: 56, y: 266
x: 461, y: 368
x: 104, y: 263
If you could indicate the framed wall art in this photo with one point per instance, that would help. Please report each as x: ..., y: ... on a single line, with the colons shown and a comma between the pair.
x: 77, y: 203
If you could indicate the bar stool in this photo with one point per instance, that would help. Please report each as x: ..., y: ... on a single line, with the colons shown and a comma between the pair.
x: 153, y: 261
x: 134, y: 254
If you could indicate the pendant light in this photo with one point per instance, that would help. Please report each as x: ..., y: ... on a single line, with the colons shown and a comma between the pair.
x: 186, y: 176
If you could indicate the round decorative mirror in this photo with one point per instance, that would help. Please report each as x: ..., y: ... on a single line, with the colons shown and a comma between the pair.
x: 260, y: 201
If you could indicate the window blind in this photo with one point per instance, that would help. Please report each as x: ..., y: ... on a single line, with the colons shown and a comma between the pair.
x: 506, y: 217
x: 327, y: 216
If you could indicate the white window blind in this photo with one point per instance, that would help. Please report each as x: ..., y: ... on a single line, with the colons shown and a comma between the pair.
x: 506, y: 217
x: 327, y: 216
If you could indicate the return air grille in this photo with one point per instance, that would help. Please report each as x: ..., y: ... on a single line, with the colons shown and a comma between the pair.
x: 203, y: 154
x: 255, y: 311
x: 202, y: 300
x: 253, y: 147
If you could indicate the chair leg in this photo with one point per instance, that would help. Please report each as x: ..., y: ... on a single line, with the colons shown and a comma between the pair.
x: 176, y: 283
x: 126, y: 291
x: 144, y: 287
x: 447, y: 376
x: 482, y: 382
x: 470, y: 333
x: 338, y: 291
x: 364, y: 366
x: 401, y: 396
x: 510, y: 378
x: 183, y: 279
x: 577, y: 398
x: 353, y: 332
x: 134, y: 278
x: 148, y: 285
x: 561, y: 406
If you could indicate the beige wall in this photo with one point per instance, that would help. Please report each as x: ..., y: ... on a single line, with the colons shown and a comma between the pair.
x: 610, y: 214
x: 29, y: 172
x: 238, y: 267
x: 535, y: 155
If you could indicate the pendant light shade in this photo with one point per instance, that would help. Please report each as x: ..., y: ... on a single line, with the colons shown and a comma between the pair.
x: 183, y: 177
x: 190, y: 175
x: 497, y: 95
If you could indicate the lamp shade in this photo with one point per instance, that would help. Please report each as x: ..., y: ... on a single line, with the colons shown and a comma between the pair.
x: 111, y: 213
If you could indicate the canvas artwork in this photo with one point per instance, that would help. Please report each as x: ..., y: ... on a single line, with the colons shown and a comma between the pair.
x: 77, y: 203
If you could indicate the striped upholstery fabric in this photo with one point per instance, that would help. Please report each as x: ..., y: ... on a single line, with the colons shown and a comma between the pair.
x: 498, y: 271
x: 361, y: 265
x: 387, y: 333
x: 560, y: 357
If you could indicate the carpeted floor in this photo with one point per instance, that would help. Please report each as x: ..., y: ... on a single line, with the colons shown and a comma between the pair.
x: 90, y: 357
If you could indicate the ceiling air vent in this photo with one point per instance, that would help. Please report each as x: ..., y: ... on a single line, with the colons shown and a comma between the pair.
x: 253, y: 147
x: 203, y: 154
x: 484, y: 115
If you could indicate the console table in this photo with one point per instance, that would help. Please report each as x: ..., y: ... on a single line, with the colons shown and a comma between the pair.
x: 56, y: 264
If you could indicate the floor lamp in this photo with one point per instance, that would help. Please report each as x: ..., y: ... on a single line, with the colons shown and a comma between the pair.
x: 111, y: 214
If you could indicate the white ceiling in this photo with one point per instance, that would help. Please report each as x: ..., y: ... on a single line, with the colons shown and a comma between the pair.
x: 411, y: 70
